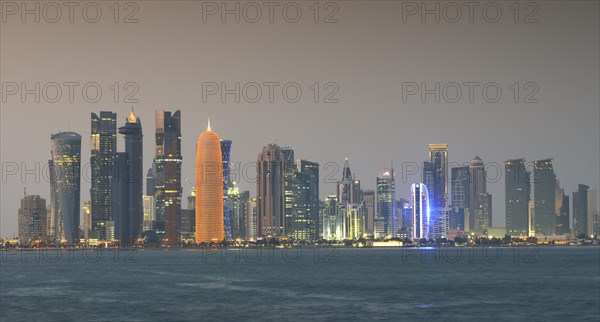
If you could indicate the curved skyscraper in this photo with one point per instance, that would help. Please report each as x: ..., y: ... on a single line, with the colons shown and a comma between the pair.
x: 209, y: 188
x: 65, y: 184
x: 420, y: 210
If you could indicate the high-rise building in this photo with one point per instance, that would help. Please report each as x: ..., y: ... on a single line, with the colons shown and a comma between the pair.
x: 544, y: 197
x: 562, y: 211
x: 304, y: 222
x: 460, y: 198
x: 420, y: 211
x: 150, y: 180
x: 593, y: 214
x: 437, y: 183
x: 290, y: 188
x: 585, y: 207
x: 354, y: 221
x: 149, y: 214
x: 331, y: 221
x: 168, y: 189
x: 479, y: 221
x: 86, y: 227
x: 251, y: 219
x: 134, y: 178
x: 33, y: 218
x: 210, y: 223
x: 225, y: 158
x: 102, y: 163
x: 270, y: 191
x: 517, y: 193
x: 348, y: 189
x: 386, y: 203
x: 65, y: 186
x: 237, y: 207
x: 369, y: 201
x: 120, y: 201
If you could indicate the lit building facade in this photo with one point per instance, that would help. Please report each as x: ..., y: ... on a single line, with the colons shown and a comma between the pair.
x: 209, y: 188
x: 304, y: 223
x: 420, y: 211
x: 386, y: 204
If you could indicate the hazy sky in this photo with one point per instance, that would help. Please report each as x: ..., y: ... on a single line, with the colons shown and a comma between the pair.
x: 369, y: 53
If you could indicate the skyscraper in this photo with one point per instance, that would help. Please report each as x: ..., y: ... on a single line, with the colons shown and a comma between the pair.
x: 149, y: 213
x: 479, y: 220
x: 420, y: 211
x: 331, y: 220
x: 584, y: 210
x: 369, y: 201
x: 168, y: 188
x: 305, y: 211
x: 65, y: 186
x: 435, y: 178
x: 225, y: 158
x: 562, y: 211
x: 135, y: 175
x: 270, y: 196
x: 460, y: 198
x: 86, y: 227
x: 290, y: 188
x: 348, y: 188
x: 517, y: 193
x: 237, y: 207
x: 386, y: 203
x: 209, y: 188
x: 544, y: 197
x: 102, y: 162
x: 33, y: 218
x: 120, y: 223
x: 251, y: 219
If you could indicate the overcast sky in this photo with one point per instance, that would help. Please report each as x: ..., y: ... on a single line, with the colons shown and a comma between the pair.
x: 372, y: 56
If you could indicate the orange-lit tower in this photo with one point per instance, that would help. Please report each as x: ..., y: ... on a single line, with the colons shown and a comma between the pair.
x: 209, y: 188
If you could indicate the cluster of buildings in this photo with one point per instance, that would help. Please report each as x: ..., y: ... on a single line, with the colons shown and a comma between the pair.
x: 449, y: 201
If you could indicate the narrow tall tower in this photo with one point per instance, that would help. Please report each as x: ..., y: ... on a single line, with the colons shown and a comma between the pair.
x: 209, y: 188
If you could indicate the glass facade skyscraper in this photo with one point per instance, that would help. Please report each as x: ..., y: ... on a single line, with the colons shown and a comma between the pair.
x: 102, y: 163
x: 65, y: 186
x: 225, y: 158
x: 386, y: 203
x: 132, y: 130
x: 544, y: 197
x: 168, y: 189
x: 304, y: 223
x: 517, y: 195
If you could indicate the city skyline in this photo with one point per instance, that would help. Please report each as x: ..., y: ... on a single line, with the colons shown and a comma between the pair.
x: 474, y: 181
x: 288, y: 192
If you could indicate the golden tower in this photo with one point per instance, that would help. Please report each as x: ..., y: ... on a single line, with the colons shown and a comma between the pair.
x: 209, y: 188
